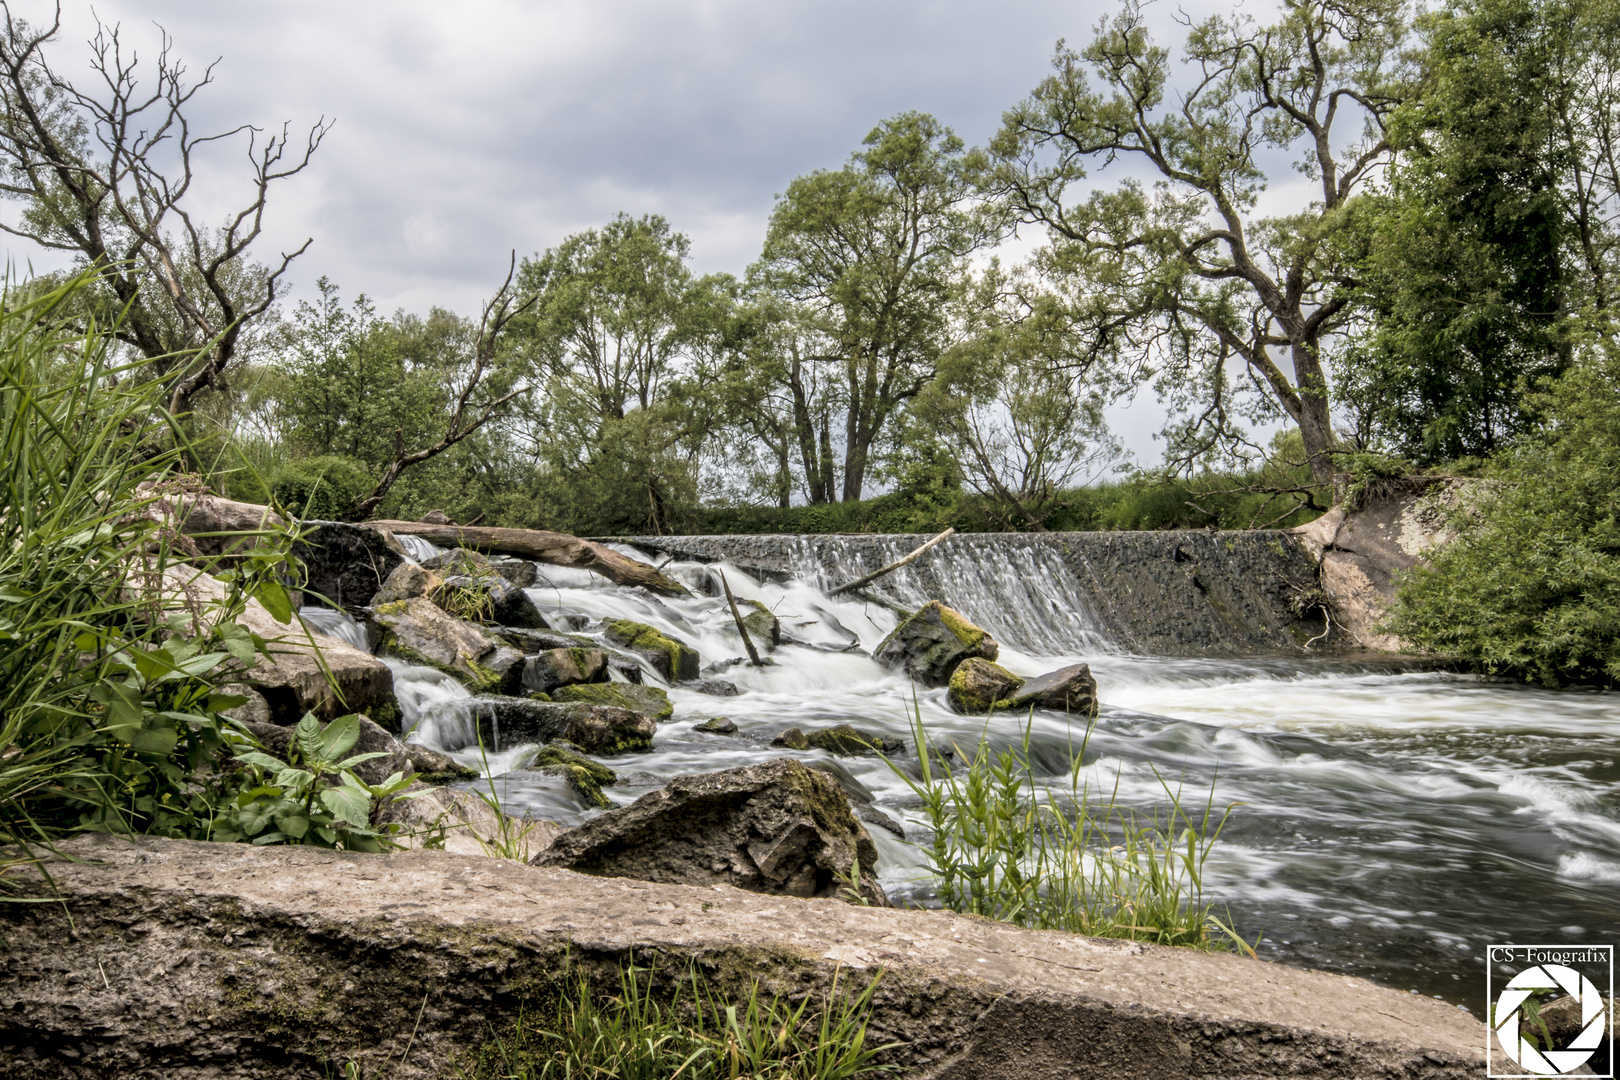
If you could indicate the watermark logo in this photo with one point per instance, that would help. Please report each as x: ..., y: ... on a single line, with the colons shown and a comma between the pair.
x: 1569, y: 1036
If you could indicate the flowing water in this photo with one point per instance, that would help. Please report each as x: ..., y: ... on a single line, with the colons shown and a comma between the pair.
x: 1389, y: 822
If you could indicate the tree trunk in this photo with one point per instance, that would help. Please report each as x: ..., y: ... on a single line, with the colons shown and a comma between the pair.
x: 1315, y: 418
x: 557, y: 549
x: 826, y: 463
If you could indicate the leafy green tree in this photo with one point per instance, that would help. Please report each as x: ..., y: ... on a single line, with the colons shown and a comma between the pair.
x: 621, y: 338
x: 874, y: 254
x: 1530, y: 586
x: 1180, y: 271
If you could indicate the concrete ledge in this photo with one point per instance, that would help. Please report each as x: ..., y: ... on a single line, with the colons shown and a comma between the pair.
x: 186, y: 960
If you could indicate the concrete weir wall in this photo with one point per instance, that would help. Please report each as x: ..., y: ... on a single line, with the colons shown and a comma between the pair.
x: 1172, y: 593
x: 182, y: 961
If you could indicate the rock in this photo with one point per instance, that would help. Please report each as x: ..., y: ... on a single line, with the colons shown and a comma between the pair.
x: 674, y: 661
x: 436, y: 517
x: 777, y: 827
x: 792, y: 739
x: 218, y: 961
x: 463, y: 561
x: 256, y: 710
x: 651, y: 700
x: 596, y: 729
x: 296, y: 681
x: 978, y: 685
x: 1069, y: 690
x: 848, y: 741
x: 859, y: 795
x: 585, y: 776
x: 763, y: 628
x: 932, y: 642
x: 533, y: 641
x: 418, y: 632
x: 581, y: 782
x: 456, y: 820
x: 211, y: 521
x: 490, y: 599
x: 718, y: 726
x: 546, y: 671
x: 1563, y: 1018
x: 712, y: 687
x: 507, y: 664
x: 407, y: 581
x: 520, y: 572
x: 347, y: 564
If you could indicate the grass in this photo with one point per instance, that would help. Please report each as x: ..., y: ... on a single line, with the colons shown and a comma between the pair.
x: 1064, y: 857
x: 689, y: 1032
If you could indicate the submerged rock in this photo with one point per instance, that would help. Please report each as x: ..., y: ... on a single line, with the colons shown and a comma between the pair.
x: 651, y: 700
x: 595, y: 729
x: 792, y: 739
x: 346, y: 564
x: 713, y: 687
x: 674, y: 660
x: 979, y: 685
x: 777, y: 827
x: 1068, y: 690
x: 849, y: 741
x: 546, y: 671
x: 717, y: 726
x: 932, y: 642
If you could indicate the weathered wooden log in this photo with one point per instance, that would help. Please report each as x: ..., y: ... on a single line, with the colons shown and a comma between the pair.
x: 897, y: 564
x: 748, y: 643
x: 555, y: 549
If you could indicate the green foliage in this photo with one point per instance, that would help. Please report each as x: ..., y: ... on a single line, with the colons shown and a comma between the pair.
x: 1530, y: 586
x: 314, y: 797
x: 321, y: 488
x: 639, y: 1034
x: 1064, y: 858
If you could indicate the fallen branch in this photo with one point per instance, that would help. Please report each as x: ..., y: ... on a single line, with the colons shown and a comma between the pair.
x: 748, y: 643
x: 556, y: 549
x: 897, y: 564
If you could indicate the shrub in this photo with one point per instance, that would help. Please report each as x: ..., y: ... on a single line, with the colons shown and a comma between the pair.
x: 1530, y: 586
x: 321, y: 488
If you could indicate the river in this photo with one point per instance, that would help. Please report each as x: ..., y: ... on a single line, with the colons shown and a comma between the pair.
x: 1388, y: 822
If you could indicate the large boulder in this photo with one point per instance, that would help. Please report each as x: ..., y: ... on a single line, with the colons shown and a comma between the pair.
x: 978, y: 685
x: 546, y: 671
x: 932, y: 642
x: 308, y: 672
x: 651, y: 700
x: 673, y: 660
x: 520, y: 572
x: 346, y: 564
x: 490, y: 599
x: 458, y: 822
x: 1068, y: 690
x: 407, y: 581
x: 418, y: 632
x: 595, y: 729
x: 220, y: 527
x: 777, y: 827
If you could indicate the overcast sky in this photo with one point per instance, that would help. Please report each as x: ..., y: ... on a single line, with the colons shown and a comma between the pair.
x: 466, y: 130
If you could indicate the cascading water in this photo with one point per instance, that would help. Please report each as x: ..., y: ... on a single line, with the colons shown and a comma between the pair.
x: 1391, y: 821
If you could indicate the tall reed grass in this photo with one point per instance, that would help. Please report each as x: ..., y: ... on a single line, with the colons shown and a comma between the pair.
x: 1064, y: 855
x: 690, y: 1032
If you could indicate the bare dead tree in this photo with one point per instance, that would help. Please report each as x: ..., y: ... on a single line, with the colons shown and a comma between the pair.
x: 103, y: 172
x: 466, y: 417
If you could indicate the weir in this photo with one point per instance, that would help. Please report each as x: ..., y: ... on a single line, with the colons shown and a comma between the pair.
x: 1170, y: 593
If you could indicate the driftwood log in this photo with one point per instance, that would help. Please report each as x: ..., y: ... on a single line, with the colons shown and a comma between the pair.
x: 556, y: 549
x: 897, y: 564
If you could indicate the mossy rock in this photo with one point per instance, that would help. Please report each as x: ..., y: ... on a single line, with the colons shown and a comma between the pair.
x: 675, y: 661
x: 792, y: 739
x: 717, y: 726
x: 643, y: 699
x: 932, y: 642
x: 548, y: 670
x: 978, y: 685
x: 846, y: 740
x: 556, y: 754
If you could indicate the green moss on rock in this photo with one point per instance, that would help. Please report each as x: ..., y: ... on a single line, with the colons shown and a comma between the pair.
x: 651, y: 700
x: 673, y: 660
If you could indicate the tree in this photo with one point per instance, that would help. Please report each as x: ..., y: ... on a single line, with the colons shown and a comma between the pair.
x: 874, y: 252
x: 105, y: 174
x: 1186, y: 272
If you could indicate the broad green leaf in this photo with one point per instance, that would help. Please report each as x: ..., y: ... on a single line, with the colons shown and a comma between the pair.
x: 349, y: 803
x: 340, y: 735
x: 295, y: 825
x: 351, y: 762
x: 273, y: 595
x: 155, y: 740
x: 307, y: 736
x: 218, y: 703
x: 263, y: 760
x: 125, y: 710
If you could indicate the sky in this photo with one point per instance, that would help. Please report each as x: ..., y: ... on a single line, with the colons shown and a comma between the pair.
x: 463, y: 132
